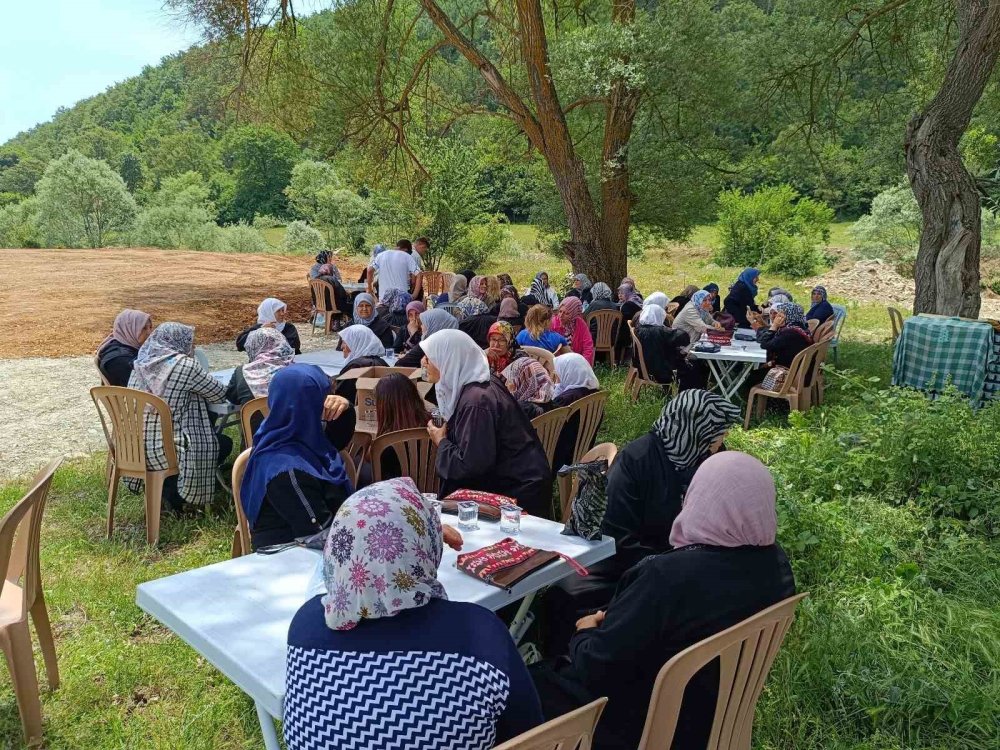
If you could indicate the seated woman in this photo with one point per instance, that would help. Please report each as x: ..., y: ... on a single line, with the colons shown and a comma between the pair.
x: 695, y: 318
x: 271, y: 313
x: 295, y: 479
x: 167, y: 368
x: 661, y: 346
x: 684, y: 297
x: 581, y: 288
x: 366, y: 315
x: 725, y: 567
x: 323, y: 257
x: 576, y: 380
x: 787, y: 335
x: 408, y: 336
x: 487, y: 443
x: 398, y: 406
x: 568, y: 321
x: 268, y: 352
x: 474, y: 302
x: 538, y: 333
x: 456, y: 290
x: 392, y: 650
x: 361, y: 349
x: 630, y: 303
x: 544, y: 293
x: 329, y: 273
x: 503, y: 348
x: 741, y: 296
x: 431, y: 321
x: 510, y: 312
x: 116, y: 354
x: 530, y: 385
x: 713, y: 292
x: 821, y: 309
x: 600, y: 294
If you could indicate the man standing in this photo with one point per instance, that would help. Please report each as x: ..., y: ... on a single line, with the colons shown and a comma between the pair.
x: 397, y: 269
x: 420, y: 246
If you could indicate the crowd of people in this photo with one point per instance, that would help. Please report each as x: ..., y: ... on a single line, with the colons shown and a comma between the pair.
x: 680, y: 507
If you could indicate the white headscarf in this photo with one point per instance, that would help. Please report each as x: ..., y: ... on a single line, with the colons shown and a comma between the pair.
x: 266, y: 311
x: 652, y: 315
x: 657, y: 298
x: 362, y: 342
x: 460, y: 361
x: 574, y: 372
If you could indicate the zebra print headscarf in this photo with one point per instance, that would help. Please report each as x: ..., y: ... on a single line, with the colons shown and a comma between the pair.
x: 690, y: 423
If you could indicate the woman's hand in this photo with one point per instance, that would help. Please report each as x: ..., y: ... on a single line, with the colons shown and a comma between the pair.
x: 437, y: 433
x: 590, y: 621
x: 334, y: 406
x: 717, y: 326
x: 452, y: 537
x: 777, y: 320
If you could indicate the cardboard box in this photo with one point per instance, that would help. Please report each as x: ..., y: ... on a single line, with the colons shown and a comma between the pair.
x: 367, y: 378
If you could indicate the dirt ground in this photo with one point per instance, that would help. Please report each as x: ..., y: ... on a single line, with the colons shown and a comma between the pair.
x: 61, y: 302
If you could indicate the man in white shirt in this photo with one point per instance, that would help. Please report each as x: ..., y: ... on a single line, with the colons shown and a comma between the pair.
x: 397, y: 269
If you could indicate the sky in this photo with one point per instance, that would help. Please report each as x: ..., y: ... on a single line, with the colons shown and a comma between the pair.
x: 57, y: 52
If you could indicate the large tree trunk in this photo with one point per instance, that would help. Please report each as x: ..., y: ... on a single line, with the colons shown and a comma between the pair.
x: 947, y: 269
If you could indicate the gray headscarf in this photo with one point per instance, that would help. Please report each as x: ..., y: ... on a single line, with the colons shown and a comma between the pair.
x: 432, y: 321
x: 584, y: 281
x: 600, y: 290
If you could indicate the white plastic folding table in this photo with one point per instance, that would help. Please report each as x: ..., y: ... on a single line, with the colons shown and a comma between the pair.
x: 236, y: 613
x: 732, y: 364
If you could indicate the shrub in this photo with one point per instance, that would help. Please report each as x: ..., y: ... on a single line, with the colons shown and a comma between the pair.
x: 266, y: 221
x: 302, y: 238
x: 19, y: 225
x: 243, y: 238
x: 774, y: 228
x: 478, y: 243
x: 175, y: 225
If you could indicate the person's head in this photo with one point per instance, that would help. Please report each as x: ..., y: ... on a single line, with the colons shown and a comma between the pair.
x: 413, y: 310
x: 268, y: 351
x: 750, y: 278
x: 574, y: 372
x: 132, y: 327
x: 477, y: 287
x: 382, y: 555
x: 702, y: 299
x: 527, y: 380
x: 432, y: 321
x: 625, y: 291
x: 398, y: 405
x: 793, y: 315
x: 491, y: 288
x: 508, y: 309
x: 717, y: 514
x: 689, y: 290
x: 570, y: 309
x: 537, y: 320
x: 544, y: 278
x: 404, y: 245
x: 652, y: 315
x: 657, y: 298
x: 323, y: 257
x: 713, y: 290
x: 693, y: 426
x: 468, y: 273
x: 600, y: 291
x: 818, y: 294
x: 272, y: 310
x: 364, y: 308
x: 506, y: 280
x: 421, y: 245
x: 159, y: 353
x: 453, y: 361
x: 459, y: 288
x: 581, y: 282
x: 358, y: 341
x: 508, y: 291
x: 501, y: 338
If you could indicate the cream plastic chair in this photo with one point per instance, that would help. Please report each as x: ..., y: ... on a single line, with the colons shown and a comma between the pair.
x: 123, y: 418
x: 608, y: 323
x: 241, y: 537
x: 591, y: 411
x: 545, y: 357
x: 325, y: 304
x: 793, y: 390
x: 549, y: 427
x: 817, y: 384
x: 247, y: 412
x: 21, y: 595
x: 572, y: 731
x: 416, y: 453
x: 568, y: 485
x: 745, y: 652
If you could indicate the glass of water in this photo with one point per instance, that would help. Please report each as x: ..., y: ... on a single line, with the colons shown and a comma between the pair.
x: 390, y: 353
x: 510, y: 519
x: 468, y: 516
x: 432, y: 500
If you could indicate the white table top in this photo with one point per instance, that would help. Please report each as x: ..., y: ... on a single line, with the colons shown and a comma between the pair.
x: 738, y: 351
x: 236, y: 613
x: 354, y: 287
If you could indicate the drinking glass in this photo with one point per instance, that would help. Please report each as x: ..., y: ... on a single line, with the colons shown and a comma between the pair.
x: 468, y: 516
x: 432, y: 500
x: 390, y: 353
x: 510, y: 519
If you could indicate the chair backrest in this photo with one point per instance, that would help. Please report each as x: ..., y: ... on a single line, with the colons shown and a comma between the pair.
x: 545, y: 357
x: 813, y: 324
x: 325, y: 296
x: 810, y: 372
x: 607, y: 451
x: 797, y: 371
x: 247, y: 412
x: 639, y: 357
x: 825, y: 331
x: 433, y: 282
x: 672, y: 308
x: 20, y: 538
x: 896, y: 320
x: 350, y: 467
x: 242, y: 526
x: 572, y: 731
x: 608, y: 323
x: 417, y: 456
x: 839, y: 318
x: 745, y: 652
x: 448, y: 307
x: 104, y: 380
x: 591, y: 411
x: 549, y: 426
x: 123, y: 418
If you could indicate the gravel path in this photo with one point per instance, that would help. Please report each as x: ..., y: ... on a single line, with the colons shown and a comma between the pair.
x: 46, y: 410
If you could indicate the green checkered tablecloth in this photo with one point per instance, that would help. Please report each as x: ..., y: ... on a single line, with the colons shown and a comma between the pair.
x: 932, y: 352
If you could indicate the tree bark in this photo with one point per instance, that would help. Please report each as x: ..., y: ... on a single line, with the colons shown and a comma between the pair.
x: 947, y: 267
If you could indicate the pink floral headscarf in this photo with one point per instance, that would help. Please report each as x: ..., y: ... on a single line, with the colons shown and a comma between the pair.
x: 268, y: 351
x: 531, y: 381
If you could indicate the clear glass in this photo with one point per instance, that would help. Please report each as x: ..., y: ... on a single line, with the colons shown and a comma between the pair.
x: 510, y: 519
x: 468, y: 516
x: 432, y: 500
x: 437, y: 418
x: 390, y: 353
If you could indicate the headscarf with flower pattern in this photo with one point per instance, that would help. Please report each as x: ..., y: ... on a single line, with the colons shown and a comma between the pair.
x: 499, y: 362
x: 469, y: 306
x: 268, y: 351
x: 165, y: 347
x: 531, y: 381
x: 396, y: 300
x: 794, y: 314
x: 382, y: 555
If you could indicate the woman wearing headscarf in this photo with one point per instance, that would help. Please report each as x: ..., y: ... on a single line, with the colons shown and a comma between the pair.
x: 456, y: 290
x: 328, y: 272
x: 470, y: 307
x: 503, y: 349
x: 600, y: 298
x: 725, y: 566
x: 408, y: 336
x: 661, y: 346
x: 510, y: 313
x: 530, y: 385
x: 576, y: 380
x: 713, y: 291
x: 361, y: 349
x: 167, y: 368
x: 323, y: 257
x: 544, y: 293
x: 581, y: 288
x: 401, y: 665
x: 821, y: 309
x: 741, y: 296
x: 505, y: 280
x: 116, y: 354
x: 431, y: 321
x: 684, y: 297
x: 487, y: 442
x: 695, y: 318
x: 630, y: 302
x: 776, y: 291
x: 295, y: 479
x: 272, y: 313
x: 787, y: 335
x: 267, y: 352
x: 657, y: 298
x: 366, y: 315
x: 568, y: 321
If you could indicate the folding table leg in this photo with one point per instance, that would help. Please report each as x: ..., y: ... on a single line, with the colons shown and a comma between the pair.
x: 520, y: 622
x: 267, y: 728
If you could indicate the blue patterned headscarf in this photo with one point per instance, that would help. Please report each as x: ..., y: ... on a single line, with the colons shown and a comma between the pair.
x: 747, y: 277
x: 697, y: 299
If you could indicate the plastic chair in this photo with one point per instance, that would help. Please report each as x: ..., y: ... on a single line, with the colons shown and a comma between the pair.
x: 813, y: 324
x: 608, y: 323
x: 839, y: 318
x: 432, y: 282
x: 817, y: 383
x: 241, y: 537
x: 591, y: 411
x: 638, y: 375
x: 416, y: 453
x: 896, y: 320
x: 549, y: 427
x: 568, y: 484
x: 447, y: 307
x: 247, y: 412
x: 572, y: 731
x: 21, y: 595
x: 793, y: 390
x: 124, y: 421
x: 350, y: 467
x: 325, y: 304
x: 672, y: 308
x: 745, y: 652
x: 824, y: 332
x: 545, y: 357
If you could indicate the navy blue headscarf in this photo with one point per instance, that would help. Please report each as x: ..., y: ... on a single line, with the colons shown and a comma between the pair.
x: 292, y: 437
x: 747, y: 277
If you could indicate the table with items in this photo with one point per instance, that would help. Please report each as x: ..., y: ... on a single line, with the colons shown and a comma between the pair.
x: 733, y: 362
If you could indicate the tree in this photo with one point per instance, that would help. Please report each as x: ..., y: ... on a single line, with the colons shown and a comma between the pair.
x: 82, y: 202
x: 130, y: 168
x: 261, y: 160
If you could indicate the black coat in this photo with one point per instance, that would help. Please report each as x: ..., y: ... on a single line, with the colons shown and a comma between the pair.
x: 403, y: 337
x: 289, y: 332
x: 478, y: 328
x: 412, y: 358
x: 238, y: 392
x: 283, y: 515
x: 737, y: 301
x: 782, y: 345
x: 670, y: 602
x: 382, y: 328
x: 661, y: 350
x: 115, y: 362
x: 492, y: 446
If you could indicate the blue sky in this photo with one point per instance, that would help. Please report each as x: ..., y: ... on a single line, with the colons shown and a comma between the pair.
x: 56, y: 52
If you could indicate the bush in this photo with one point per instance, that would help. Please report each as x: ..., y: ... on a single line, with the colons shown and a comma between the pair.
x: 243, y: 238
x: 302, y: 238
x: 175, y: 225
x: 478, y: 243
x: 19, y: 225
x: 266, y: 221
x: 773, y: 228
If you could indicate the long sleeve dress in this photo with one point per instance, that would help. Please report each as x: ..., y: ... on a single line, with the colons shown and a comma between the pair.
x: 737, y: 301
x: 580, y: 341
x: 444, y: 675
x: 668, y: 603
